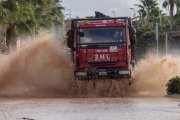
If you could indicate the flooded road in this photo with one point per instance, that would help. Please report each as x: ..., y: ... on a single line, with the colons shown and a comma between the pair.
x: 90, y: 109
x: 43, y: 68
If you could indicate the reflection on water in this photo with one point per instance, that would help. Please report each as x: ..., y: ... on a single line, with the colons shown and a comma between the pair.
x: 90, y: 109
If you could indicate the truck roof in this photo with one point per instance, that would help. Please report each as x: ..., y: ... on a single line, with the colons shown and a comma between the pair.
x: 98, y: 22
x: 102, y: 18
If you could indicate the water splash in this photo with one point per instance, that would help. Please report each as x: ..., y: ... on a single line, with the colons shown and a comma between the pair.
x: 153, y: 72
x: 40, y: 67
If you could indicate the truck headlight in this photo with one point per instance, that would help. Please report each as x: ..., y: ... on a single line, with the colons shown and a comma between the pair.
x: 81, y: 73
x: 124, y: 72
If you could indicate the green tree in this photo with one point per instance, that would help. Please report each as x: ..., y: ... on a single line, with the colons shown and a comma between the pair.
x: 149, y: 11
x: 177, y: 2
x: 20, y: 18
x: 48, y: 13
x: 150, y: 14
x: 171, y: 4
x: 177, y: 15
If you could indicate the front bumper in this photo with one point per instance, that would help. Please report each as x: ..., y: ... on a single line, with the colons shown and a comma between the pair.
x: 102, y: 73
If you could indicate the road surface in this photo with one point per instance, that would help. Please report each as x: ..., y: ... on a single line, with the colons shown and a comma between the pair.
x: 90, y: 108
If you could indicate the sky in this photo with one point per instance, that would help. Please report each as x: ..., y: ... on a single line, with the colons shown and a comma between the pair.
x: 84, y: 8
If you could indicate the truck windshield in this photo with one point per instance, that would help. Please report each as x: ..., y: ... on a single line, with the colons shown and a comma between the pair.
x: 102, y: 35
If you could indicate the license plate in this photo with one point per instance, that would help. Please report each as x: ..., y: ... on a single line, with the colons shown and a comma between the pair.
x: 113, y: 49
x: 103, y: 73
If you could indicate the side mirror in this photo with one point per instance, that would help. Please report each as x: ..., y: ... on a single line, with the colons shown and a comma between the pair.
x: 132, y: 31
x: 69, y: 38
x: 133, y: 39
x: 81, y: 34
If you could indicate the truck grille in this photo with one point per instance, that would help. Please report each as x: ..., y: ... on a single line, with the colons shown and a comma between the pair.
x: 102, y: 64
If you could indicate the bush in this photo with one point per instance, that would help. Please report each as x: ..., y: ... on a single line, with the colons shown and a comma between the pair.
x: 173, y: 86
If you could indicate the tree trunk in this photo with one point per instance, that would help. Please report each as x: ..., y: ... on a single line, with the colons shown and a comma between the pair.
x: 178, y: 10
x: 8, y: 39
x: 2, y: 40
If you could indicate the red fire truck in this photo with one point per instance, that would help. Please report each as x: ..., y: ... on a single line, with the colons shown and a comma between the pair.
x: 102, y: 47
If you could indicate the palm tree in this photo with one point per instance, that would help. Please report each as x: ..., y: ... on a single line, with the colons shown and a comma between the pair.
x: 176, y: 17
x: 177, y: 2
x: 20, y: 18
x: 170, y: 4
x: 148, y: 9
x: 4, y: 13
x: 48, y: 13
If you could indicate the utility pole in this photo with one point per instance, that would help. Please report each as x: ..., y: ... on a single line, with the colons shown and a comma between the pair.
x: 157, y: 37
x: 160, y: 19
x: 134, y: 14
x: 69, y: 13
x: 114, y: 13
x: 166, y: 43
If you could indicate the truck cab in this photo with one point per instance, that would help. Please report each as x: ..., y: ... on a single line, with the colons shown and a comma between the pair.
x: 102, y: 47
